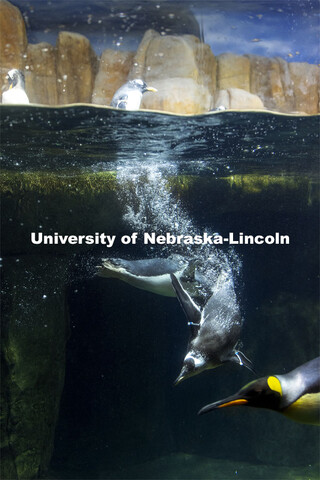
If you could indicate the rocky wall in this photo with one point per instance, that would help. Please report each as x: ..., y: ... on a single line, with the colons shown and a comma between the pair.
x: 189, y: 77
x: 34, y: 330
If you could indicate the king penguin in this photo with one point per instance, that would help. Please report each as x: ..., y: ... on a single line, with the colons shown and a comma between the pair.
x: 295, y: 394
x: 129, y: 96
x: 150, y: 274
x: 215, y: 329
x: 16, y: 93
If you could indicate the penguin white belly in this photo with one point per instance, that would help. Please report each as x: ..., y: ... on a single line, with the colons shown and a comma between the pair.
x: 159, y: 284
x: 15, y: 96
x: 134, y: 100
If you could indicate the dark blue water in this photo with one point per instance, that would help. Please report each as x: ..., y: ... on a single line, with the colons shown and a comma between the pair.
x: 120, y: 415
x: 103, y: 139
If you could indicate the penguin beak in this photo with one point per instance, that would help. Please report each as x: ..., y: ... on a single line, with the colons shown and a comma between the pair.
x: 180, y: 378
x: 151, y: 89
x: 232, y: 401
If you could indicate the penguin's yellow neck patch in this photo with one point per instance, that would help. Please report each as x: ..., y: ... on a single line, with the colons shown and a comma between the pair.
x: 274, y: 384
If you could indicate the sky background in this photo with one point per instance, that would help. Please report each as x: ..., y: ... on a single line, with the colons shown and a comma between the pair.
x: 288, y: 29
x: 291, y: 33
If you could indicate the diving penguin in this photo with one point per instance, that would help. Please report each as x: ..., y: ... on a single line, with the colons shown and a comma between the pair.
x: 215, y: 329
x: 152, y: 274
x: 295, y: 394
x: 129, y: 96
x: 16, y: 93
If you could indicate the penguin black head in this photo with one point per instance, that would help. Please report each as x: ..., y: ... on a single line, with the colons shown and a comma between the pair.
x: 265, y: 392
x: 15, y: 77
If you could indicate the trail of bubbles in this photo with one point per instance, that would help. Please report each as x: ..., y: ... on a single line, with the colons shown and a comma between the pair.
x: 151, y: 207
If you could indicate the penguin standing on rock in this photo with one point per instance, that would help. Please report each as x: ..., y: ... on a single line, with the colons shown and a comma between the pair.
x: 16, y: 93
x: 295, y: 394
x: 215, y: 329
x: 129, y: 96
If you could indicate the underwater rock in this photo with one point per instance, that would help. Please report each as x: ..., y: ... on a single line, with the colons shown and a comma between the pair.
x: 13, y: 39
x: 34, y: 334
x: 41, y: 74
x: 84, y: 197
x: 36, y: 199
x: 180, y: 67
x: 114, y: 67
x: 237, y: 99
x: 76, y: 68
x: 305, y: 80
x: 233, y: 72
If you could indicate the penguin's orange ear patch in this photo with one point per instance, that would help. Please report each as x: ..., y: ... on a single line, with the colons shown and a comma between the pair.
x: 274, y: 384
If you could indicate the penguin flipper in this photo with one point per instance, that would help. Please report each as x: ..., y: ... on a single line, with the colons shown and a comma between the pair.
x: 240, y: 358
x: 191, y: 310
x: 120, y: 101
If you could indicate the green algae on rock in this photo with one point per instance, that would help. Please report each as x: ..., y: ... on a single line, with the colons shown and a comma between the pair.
x: 249, y: 192
x: 34, y: 335
x: 50, y: 202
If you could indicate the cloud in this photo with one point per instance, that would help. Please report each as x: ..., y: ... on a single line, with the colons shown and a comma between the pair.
x: 269, y: 34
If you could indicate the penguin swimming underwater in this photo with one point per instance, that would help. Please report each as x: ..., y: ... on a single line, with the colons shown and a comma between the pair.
x: 295, y: 394
x: 151, y: 274
x: 16, y: 93
x: 215, y: 329
x: 129, y: 96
